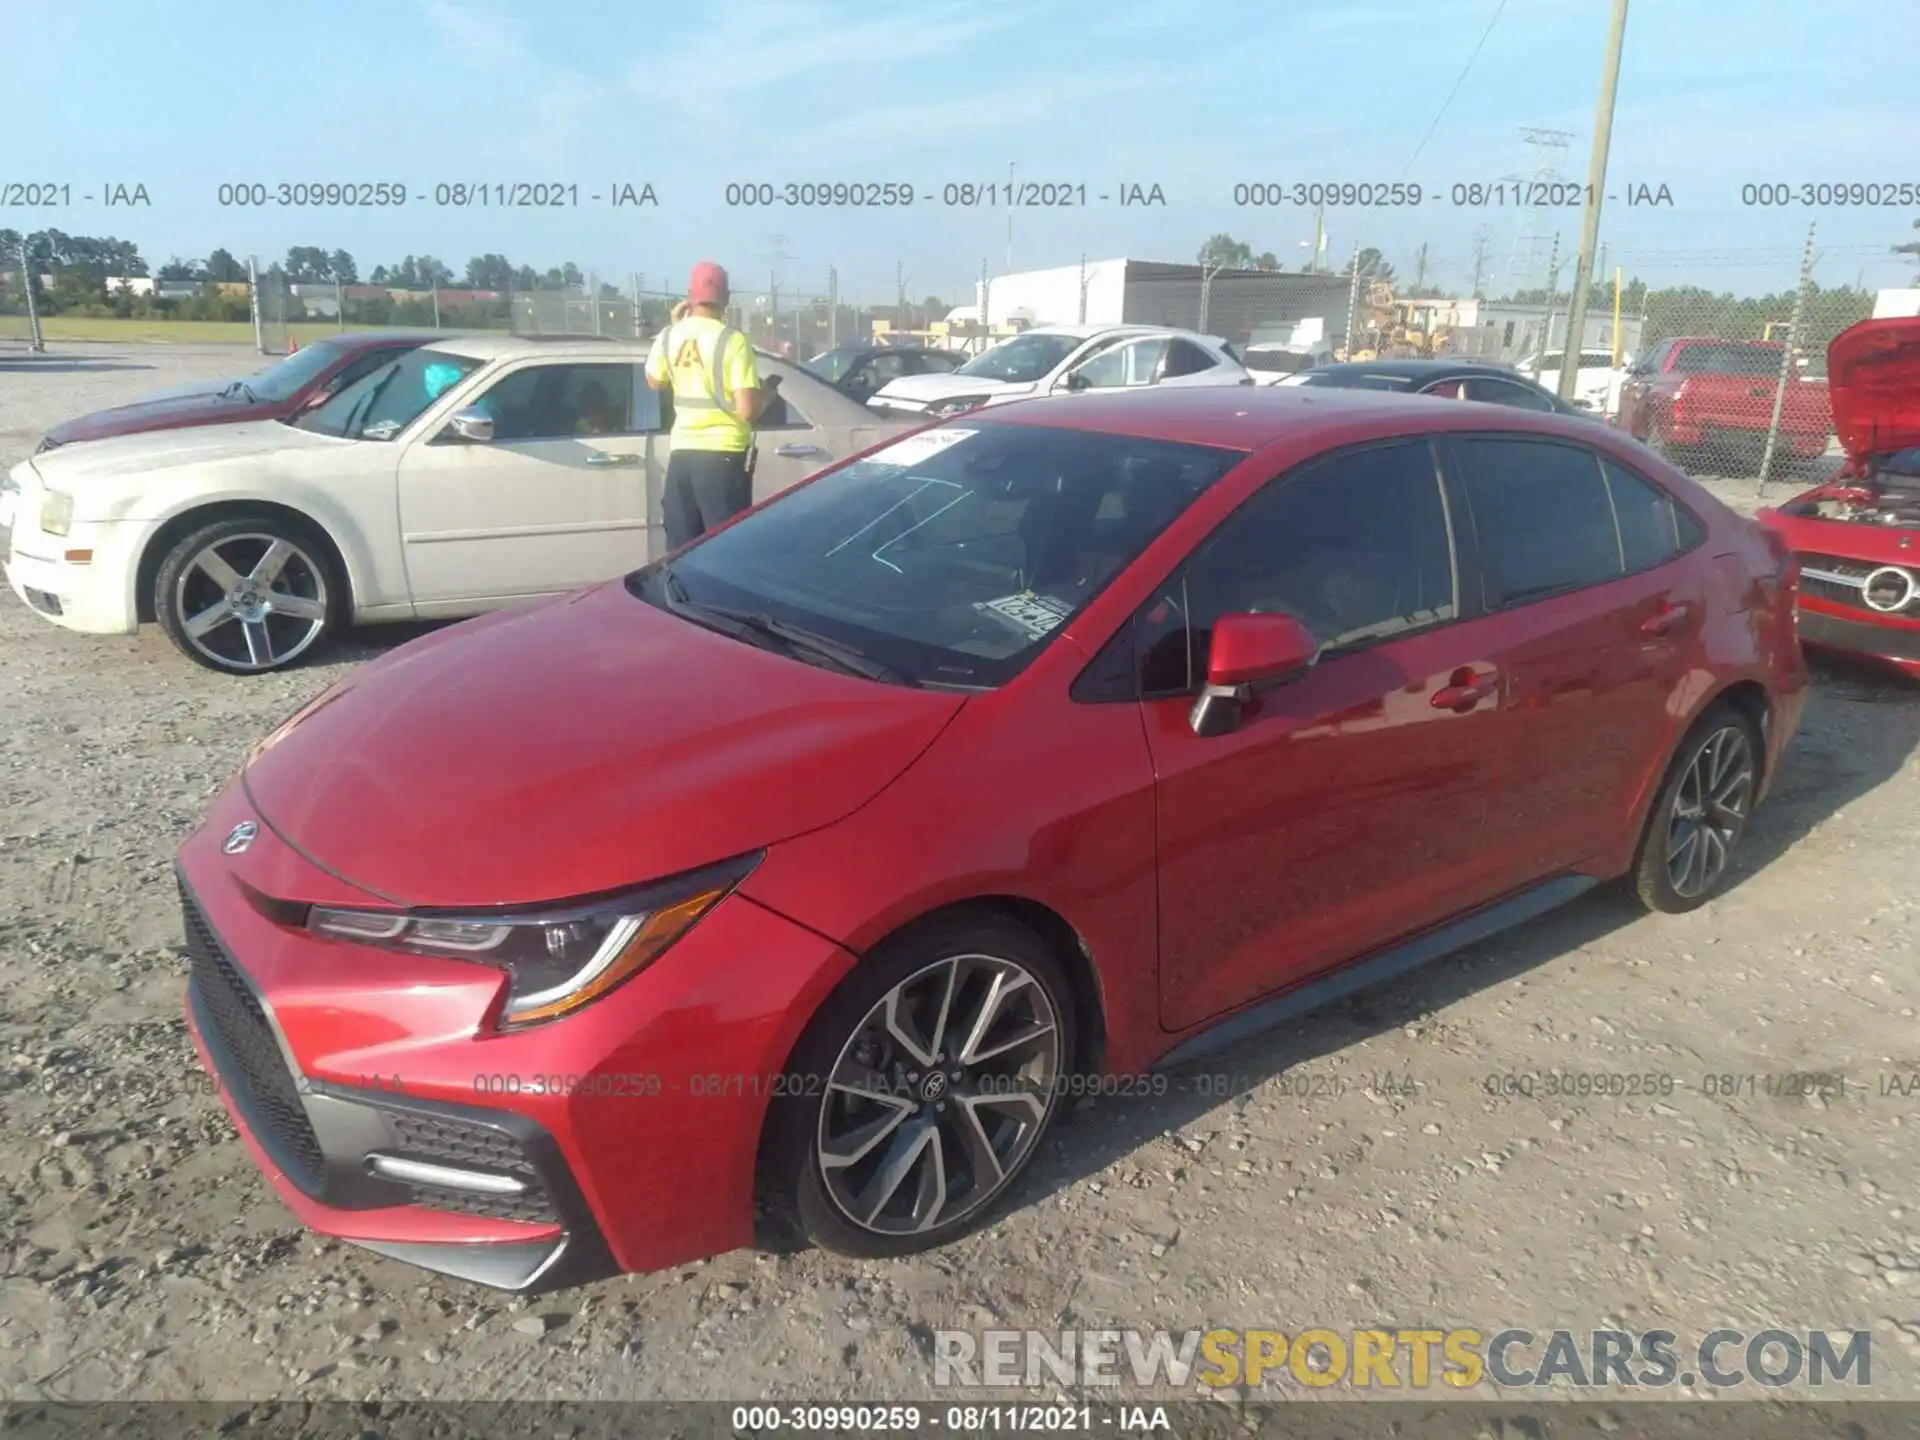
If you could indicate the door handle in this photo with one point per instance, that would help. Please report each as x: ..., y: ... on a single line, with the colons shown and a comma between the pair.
x: 799, y: 452
x: 1664, y: 620
x: 602, y: 457
x: 1464, y: 689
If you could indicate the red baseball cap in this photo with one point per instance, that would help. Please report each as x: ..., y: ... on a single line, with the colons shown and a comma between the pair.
x: 708, y: 285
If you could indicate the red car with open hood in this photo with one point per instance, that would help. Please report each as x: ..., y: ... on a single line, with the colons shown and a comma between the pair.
x: 829, y: 857
x: 1856, y: 538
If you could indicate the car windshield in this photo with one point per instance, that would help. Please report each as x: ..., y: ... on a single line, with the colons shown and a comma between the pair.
x: 1023, y: 359
x: 949, y: 557
x: 381, y: 405
x: 830, y: 365
x: 279, y: 383
x: 1728, y: 360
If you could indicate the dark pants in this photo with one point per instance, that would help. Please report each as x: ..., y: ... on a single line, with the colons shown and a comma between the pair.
x: 704, y: 490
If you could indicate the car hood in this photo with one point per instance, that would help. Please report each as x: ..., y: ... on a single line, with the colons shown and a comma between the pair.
x: 147, y: 450
x: 154, y: 413
x: 1873, y: 385
x: 926, y: 389
x: 572, y: 747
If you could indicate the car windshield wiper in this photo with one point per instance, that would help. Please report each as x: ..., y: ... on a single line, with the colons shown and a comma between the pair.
x: 791, y: 638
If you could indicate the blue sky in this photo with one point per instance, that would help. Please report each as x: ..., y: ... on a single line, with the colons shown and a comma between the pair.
x: 1192, y: 95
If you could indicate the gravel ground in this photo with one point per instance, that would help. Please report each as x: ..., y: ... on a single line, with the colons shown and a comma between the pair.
x: 140, y: 1256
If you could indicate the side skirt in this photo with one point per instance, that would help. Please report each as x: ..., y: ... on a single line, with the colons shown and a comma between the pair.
x: 1388, y: 964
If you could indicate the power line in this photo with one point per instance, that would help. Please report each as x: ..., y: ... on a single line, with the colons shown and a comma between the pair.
x: 1498, y: 10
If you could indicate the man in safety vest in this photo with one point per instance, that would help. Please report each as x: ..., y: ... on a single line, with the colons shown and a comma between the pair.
x: 709, y: 367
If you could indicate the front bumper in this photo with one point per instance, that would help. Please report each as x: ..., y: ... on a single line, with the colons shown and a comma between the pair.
x: 1889, y: 642
x: 369, y: 1090
x: 94, y: 596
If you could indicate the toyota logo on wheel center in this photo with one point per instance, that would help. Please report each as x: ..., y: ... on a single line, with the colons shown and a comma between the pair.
x: 934, y: 1087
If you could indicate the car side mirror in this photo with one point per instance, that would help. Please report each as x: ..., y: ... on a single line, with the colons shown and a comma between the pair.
x: 473, y: 425
x: 1249, y: 652
x: 1076, y: 382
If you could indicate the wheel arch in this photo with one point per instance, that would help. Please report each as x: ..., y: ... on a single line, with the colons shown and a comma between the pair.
x: 1056, y: 932
x: 190, y: 518
x: 1754, y: 702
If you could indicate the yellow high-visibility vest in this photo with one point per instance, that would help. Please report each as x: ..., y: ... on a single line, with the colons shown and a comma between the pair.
x: 708, y: 363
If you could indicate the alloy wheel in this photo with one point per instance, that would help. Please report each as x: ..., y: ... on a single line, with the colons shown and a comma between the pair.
x: 252, y: 601
x: 1710, y: 809
x: 937, y: 1098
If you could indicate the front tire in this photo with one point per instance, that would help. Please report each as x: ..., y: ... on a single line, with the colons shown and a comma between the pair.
x: 1701, y: 814
x: 247, y: 594
x: 922, y: 1088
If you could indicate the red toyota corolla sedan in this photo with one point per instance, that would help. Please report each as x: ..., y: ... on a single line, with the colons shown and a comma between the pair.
x: 1857, y: 537
x: 824, y: 857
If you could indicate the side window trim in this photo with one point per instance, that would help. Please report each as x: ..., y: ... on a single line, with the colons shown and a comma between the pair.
x: 1463, y: 607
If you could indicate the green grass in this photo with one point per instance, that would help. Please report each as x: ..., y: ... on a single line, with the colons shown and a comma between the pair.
x: 56, y: 328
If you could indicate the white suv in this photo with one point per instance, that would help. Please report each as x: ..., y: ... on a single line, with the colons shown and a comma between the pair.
x: 1056, y: 359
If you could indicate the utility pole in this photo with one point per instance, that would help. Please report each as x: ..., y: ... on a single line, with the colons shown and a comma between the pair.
x: 1596, y: 187
x: 253, y: 304
x: 1482, y: 253
x: 986, y: 288
x: 1010, y: 194
x: 1553, y: 298
x: 900, y: 296
x: 1083, y: 288
x: 1320, y: 238
x: 38, y: 344
x: 1420, y: 265
x: 833, y: 308
x: 1786, y: 359
x: 1353, y: 302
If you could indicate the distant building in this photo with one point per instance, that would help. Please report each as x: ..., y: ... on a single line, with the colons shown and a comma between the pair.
x: 1890, y: 304
x: 1238, y: 303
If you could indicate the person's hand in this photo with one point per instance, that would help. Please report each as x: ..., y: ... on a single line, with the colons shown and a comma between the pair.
x: 679, y: 312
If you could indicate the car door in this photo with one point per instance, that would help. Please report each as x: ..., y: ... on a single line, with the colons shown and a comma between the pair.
x: 557, y: 499
x: 1346, y: 809
x: 804, y: 426
x: 1577, y: 562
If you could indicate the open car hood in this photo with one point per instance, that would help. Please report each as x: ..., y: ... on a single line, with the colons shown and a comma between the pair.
x: 1873, y: 385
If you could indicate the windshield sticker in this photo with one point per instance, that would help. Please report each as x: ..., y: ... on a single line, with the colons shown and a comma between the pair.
x: 918, y: 449
x: 1033, y: 615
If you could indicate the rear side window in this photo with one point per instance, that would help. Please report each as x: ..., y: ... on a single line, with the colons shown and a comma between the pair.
x: 1505, y: 392
x: 1543, y: 518
x: 1652, y: 528
x: 1185, y: 358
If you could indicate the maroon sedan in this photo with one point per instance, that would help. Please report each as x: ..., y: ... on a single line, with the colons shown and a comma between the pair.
x: 309, y: 375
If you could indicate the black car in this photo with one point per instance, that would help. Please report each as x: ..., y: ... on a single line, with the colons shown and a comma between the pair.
x: 857, y: 371
x: 1449, y: 379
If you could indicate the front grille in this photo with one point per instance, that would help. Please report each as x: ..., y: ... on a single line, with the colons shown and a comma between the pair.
x: 1835, y: 591
x: 253, y: 1069
x: 445, y: 1140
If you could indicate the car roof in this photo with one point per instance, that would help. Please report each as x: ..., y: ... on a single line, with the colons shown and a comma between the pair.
x: 1414, y: 369
x: 1088, y: 332
x: 1246, y: 417
x: 497, y: 346
x: 372, y: 339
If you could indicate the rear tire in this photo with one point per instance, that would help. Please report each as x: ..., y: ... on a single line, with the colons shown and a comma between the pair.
x: 248, y: 594
x: 922, y: 1089
x: 1701, y: 813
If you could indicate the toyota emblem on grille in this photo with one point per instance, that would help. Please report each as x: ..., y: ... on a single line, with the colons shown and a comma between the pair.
x: 1889, y: 589
x: 240, y: 837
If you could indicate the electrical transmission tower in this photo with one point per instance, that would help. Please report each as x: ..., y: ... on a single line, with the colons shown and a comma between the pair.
x: 1534, y: 238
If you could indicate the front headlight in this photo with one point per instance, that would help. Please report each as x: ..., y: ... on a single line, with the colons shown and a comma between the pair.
x: 56, y: 512
x: 941, y: 409
x: 558, y: 958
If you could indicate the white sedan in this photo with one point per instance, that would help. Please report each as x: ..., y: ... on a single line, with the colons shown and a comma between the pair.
x: 1058, y: 359
x: 472, y: 474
